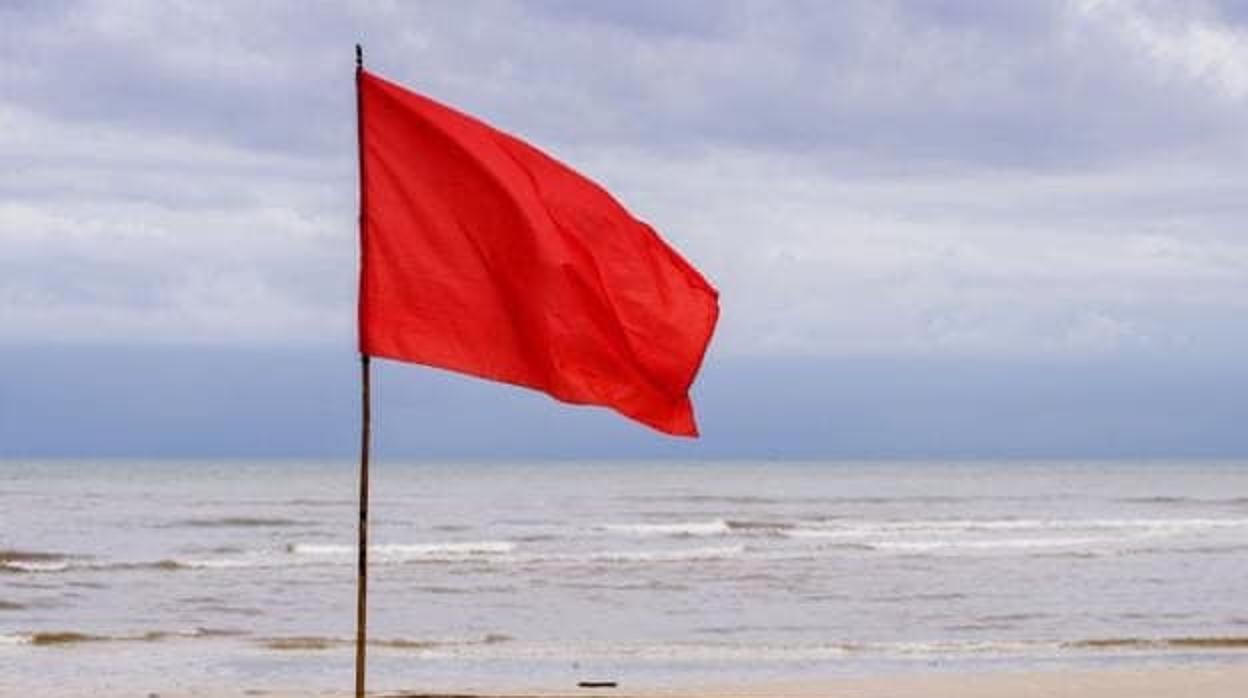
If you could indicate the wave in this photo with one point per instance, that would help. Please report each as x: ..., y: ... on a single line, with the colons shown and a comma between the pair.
x: 1167, y: 499
x: 159, y: 565
x: 870, y: 530
x: 691, y: 529
x: 404, y: 552
x: 48, y: 638
x: 688, y: 555
x: 729, y: 651
x: 239, y: 522
x: 32, y: 561
x: 924, y: 596
x: 716, y: 527
x: 300, y: 643
x: 1225, y: 549
x: 708, y: 553
x: 295, y: 554
x: 1037, y: 537
x: 996, y: 525
x: 34, y: 566
x: 702, y: 499
x: 9, y: 555
x: 760, y: 526
x: 832, y: 500
x: 502, y: 645
x: 1004, y: 544
x: 1009, y: 647
x: 624, y: 586
x: 1178, y: 643
x: 313, y: 502
x: 314, y: 643
x: 470, y: 590
x: 1012, y: 647
x: 1160, y: 499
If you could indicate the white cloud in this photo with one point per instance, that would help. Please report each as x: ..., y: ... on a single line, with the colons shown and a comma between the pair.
x: 989, y: 262
x: 1183, y: 46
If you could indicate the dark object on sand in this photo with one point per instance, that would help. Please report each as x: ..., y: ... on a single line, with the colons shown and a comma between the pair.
x: 596, y: 684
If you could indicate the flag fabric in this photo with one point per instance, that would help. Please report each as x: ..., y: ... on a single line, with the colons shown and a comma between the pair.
x: 483, y: 255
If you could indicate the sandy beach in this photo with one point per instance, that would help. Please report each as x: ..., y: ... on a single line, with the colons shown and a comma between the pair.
x: 1212, y: 681
x: 1204, y: 681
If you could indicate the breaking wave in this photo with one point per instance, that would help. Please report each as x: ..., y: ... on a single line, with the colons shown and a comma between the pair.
x: 717, y: 527
x: 316, y: 643
x: 51, y: 638
x: 687, y: 555
x: 239, y: 522
x: 405, y: 552
x: 32, y: 561
x: 295, y: 554
x: 845, y: 529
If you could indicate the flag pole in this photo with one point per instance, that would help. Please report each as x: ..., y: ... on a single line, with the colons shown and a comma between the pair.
x: 361, y: 594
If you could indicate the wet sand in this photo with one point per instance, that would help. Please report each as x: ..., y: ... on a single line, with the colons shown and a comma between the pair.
x: 1205, y: 681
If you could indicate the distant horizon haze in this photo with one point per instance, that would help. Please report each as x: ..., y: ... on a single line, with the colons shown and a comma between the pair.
x: 191, y: 401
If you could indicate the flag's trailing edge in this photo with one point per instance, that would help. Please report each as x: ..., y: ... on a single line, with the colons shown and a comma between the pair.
x: 483, y: 255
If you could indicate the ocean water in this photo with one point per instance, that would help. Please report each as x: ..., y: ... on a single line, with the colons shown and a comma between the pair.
x: 129, y: 578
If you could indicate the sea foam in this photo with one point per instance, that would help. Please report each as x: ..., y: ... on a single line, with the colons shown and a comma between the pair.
x: 400, y: 552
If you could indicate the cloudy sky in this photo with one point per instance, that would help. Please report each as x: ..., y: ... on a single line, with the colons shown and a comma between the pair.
x: 1032, y: 192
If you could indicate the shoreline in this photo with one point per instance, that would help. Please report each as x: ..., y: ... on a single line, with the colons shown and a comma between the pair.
x: 1224, y: 680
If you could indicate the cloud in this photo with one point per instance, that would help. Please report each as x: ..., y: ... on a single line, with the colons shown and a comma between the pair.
x: 1202, y: 46
x: 879, y: 178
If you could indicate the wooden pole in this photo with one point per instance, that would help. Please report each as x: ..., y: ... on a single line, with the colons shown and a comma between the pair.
x: 361, y: 595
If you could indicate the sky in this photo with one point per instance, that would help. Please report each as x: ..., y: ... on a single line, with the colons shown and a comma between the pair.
x: 938, y: 228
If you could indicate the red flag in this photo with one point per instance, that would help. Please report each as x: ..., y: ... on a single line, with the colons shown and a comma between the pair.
x: 483, y: 255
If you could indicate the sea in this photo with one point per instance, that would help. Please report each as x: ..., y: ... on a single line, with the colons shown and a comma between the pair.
x: 124, y: 577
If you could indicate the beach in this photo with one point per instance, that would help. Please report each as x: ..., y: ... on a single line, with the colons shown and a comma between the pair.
x: 1171, y: 682
x: 925, y: 578
x: 1159, y: 682
x: 1155, y: 682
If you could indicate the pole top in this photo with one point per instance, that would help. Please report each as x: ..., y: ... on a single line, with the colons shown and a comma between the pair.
x: 359, y: 57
